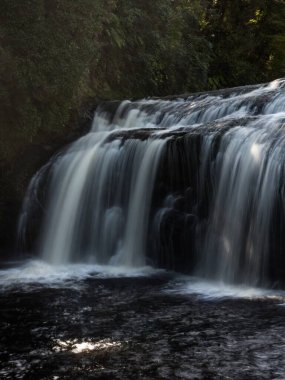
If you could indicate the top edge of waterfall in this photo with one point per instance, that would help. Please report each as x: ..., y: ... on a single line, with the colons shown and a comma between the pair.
x: 273, y: 85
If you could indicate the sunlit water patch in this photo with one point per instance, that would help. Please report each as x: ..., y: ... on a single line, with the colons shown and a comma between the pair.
x: 86, y: 346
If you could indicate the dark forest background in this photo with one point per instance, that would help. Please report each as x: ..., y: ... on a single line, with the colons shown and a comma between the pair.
x: 57, y: 55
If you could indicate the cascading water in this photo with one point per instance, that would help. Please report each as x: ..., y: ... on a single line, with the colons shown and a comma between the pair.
x: 100, y: 197
x: 193, y: 184
x: 250, y: 173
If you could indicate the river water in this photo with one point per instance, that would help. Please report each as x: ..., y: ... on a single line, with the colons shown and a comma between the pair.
x: 91, y: 322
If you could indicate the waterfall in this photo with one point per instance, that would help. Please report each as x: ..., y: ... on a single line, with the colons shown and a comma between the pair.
x: 250, y: 178
x: 194, y: 184
x: 100, y: 195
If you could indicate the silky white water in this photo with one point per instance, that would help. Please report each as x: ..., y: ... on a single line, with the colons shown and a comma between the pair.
x: 250, y: 174
x: 100, y: 192
x: 100, y: 196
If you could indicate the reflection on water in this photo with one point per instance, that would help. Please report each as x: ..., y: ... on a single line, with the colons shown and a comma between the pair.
x: 159, y: 326
x: 77, y: 348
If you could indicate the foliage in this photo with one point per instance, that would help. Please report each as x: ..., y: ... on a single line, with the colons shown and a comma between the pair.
x: 151, y: 48
x: 54, y: 54
x: 248, y: 41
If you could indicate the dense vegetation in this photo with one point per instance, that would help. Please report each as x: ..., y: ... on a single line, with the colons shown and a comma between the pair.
x: 56, y: 54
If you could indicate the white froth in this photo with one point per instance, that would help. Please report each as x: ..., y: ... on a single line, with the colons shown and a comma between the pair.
x: 214, y: 290
x: 41, y: 273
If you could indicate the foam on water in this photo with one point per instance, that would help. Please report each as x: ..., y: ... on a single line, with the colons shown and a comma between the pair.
x: 36, y: 272
x: 33, y: 274
x: 215, y: 290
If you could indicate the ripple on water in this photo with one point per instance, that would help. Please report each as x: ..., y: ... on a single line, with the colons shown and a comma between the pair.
x: 154, y: 327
